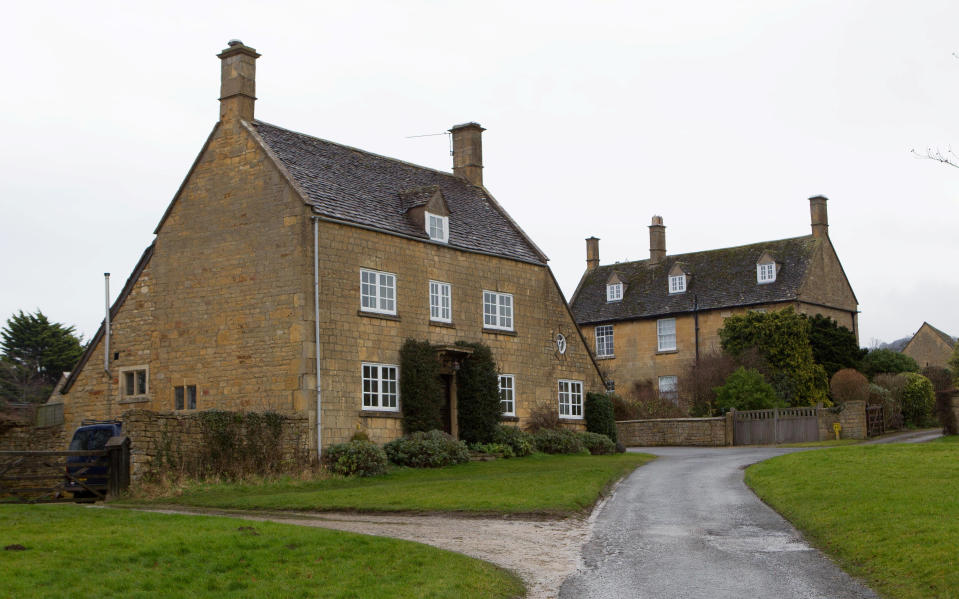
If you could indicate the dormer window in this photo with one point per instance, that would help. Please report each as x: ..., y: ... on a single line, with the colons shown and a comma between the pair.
x: 614, y: 292
x: 766, y: 273
x: 438, y: 227
x: 677, y: 283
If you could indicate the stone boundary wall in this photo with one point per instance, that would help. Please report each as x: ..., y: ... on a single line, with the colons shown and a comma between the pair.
x: 852, y: 419
x: 31, y: 438
x: 154, y: 432
x: 703, y: 432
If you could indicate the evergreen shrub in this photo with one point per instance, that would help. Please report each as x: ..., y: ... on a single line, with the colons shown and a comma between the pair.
x: 598, y: 412
x: 477, y: 395
x: 746, y: 389
x: 420, y: 387
x: 597, y: 444
x: 432, y: 449
x: 558, y: 441
x: 519, y: 441
x: 501, y: 450
x: 918, y: 400
x: 849, y: 385
x: 356, y: 458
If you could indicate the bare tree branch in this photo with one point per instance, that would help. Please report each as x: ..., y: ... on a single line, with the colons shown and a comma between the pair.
x: 948, y: 157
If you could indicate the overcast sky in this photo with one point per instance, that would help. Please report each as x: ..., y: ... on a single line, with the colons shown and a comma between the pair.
x: 723, y: 117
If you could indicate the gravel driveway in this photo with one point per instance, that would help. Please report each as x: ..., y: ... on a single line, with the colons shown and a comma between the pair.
x: 686, y: 526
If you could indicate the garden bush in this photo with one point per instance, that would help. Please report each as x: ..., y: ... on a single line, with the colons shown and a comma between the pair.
x: 420, y: 387
x: 746, y: 389
x: 597, y: 444
x: 947, y: 417
x: 879, y: 361
x: 918, y: 400
x: 941, y: 378
x: 498, y: 449
x: 432, y: 449
x: 519, y: 441
x: 558, y: 441
x: 543, y: 417
x: 888, y: 394
x: 477, y: 393
x: 849, y: 385
x: 356, y: 458
x: 599, y: 415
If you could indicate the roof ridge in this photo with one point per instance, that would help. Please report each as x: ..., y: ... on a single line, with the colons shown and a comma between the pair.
x: 362, y: 151
x: 732, y: 247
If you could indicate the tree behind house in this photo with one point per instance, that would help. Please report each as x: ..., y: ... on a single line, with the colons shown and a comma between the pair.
x: 36, y: 352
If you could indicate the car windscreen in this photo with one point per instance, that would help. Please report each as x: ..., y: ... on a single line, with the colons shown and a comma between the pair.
x: 91, y: 438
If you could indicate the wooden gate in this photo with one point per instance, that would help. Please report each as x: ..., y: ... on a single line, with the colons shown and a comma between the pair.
x: 779, y: 425
x: 875, y: 421
x: 43, y: 476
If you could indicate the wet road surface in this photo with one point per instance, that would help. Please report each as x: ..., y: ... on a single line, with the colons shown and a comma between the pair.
x: 686, y: 526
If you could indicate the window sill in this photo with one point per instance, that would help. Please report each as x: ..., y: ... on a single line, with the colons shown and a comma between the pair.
x: 499, y: 332
x: 667, y: 351
x: 141, y: 399
x: 612, y: 357
x: 441, y: 324
x: 377, y: 315
x: 508, y: 418
x: 571, y: 418
x: 379, y: 414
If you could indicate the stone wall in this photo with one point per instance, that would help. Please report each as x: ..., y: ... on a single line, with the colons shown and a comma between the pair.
x: 153, y: 433
x: 705, y: 432
x: 852, y: 419
x: 31, y: 438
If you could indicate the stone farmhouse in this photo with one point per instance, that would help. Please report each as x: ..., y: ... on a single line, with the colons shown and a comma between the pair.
x: 650, y: 319
x: 288, y: 271
x: 930, y: 347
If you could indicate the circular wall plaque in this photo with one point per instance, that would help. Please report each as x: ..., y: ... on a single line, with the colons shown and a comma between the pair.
x: 561, y: 343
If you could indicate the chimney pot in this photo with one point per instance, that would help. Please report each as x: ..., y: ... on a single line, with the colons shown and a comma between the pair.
x: 819, y: 217
x: 657, y: 240
x: 592, y: 253
x: 468, y: 152
x: 237, y: 81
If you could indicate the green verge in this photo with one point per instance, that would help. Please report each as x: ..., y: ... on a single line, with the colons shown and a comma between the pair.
x: 78, y: 552
x: 548, y: 485
x: 888, y: 513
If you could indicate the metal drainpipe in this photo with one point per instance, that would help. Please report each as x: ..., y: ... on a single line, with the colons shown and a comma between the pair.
x: 316, y: 331
x: 696, y: 323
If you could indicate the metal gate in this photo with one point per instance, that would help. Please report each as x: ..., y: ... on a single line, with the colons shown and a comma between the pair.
x: 779, y: 425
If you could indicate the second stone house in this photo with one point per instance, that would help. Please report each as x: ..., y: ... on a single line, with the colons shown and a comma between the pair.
x: 930, y: 347
x: 649, y: 320
x: 288, y: 271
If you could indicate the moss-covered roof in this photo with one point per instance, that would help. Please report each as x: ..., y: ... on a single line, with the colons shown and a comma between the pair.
x: 722, y: 278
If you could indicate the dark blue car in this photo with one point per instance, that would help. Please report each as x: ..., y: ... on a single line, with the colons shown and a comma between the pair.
x: 92, y: 435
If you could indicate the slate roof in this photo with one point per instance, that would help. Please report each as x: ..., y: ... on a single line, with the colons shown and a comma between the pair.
x: 722, y: 278
x: 359, y: 187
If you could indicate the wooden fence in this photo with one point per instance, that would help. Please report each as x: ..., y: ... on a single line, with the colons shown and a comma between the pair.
x: 779, y: 425
x: 50, y: 476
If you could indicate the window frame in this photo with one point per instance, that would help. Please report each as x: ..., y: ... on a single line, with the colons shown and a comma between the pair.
x: 614, y: 292
x: 379, y: 393
x: 498, y: 316
x: 184, y: 397
x: 662, y: 336
x: 762, y: 276
x: 133, y: 371
x: 670, y: 394
x: 440, y: 286
x: 680, y: 281
x: 605, y: 341
x: 510, y: 391
x: 573, y: 391
x: 378, y: 297
x: 443, y: 221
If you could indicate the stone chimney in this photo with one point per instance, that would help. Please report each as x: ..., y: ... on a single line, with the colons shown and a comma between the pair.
x: 657, y: 240
x: 820, y: 220
x: 237, y: 82
x: 592, y: 253
x: 468, y: 152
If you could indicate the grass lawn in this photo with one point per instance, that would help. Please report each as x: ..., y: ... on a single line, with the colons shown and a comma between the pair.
x: 826, y: 443
x: 81, y: 552
x: 887, y: 513
x: 539, y: 484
